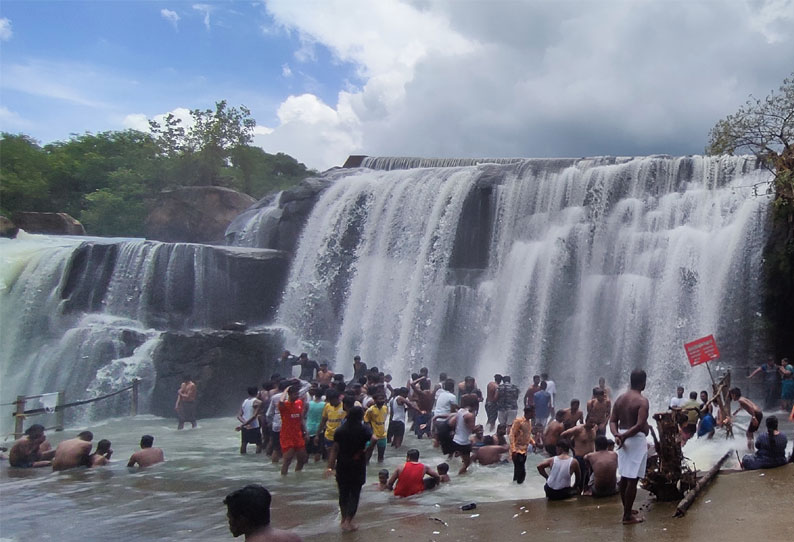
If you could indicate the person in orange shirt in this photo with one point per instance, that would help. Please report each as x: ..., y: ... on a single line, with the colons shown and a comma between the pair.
x: 520, y: 442
x: 293, y: 429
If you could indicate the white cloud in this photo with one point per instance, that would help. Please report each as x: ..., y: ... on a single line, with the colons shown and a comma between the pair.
x: 286, y: 71
x: 170, y: 16
x: 530, y: 78
x: 140, y: 121
x: 206, y: 9
x: 5, y: 29
x: 313, y: 132
x: 773, y: 19
x: 10, y: 121
x: 74, y: 83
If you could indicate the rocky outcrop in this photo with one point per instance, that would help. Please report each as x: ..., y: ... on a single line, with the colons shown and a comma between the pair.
x: 8, y: 228
x: 196, y: 285
x: 281, y: 229
x: 195, y: 214
x: 222, y: 363
x: 49, y: 223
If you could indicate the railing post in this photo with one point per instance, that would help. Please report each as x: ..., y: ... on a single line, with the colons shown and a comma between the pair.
x: 134, y: 402
x: 59, y: 410
x: 19, y: 418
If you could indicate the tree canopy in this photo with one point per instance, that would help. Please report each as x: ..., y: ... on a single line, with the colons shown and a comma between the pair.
x: 765, y: 128
x: 107, y: 180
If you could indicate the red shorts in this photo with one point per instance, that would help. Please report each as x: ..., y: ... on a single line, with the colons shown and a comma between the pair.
x: 296, y: 442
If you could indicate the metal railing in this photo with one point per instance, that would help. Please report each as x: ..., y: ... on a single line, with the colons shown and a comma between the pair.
x: 20, y: 414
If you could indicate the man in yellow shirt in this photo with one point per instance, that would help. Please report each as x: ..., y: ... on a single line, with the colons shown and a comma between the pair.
x: 376, y: 417
x: 332, y: 418
x: 520, y: 442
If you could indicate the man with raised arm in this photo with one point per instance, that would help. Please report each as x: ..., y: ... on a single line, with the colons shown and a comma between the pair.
x: 629, y: 424
x: 186, y: 402
x: 752, y: 409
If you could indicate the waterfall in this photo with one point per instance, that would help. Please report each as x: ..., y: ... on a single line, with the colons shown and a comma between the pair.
x: 85, y: 314
x: 578, y: 268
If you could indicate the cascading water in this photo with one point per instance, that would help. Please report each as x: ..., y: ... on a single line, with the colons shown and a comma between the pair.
x: 579, y: 268
x: 84, y: 314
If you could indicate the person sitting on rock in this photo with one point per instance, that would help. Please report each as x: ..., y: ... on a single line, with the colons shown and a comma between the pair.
x: 770, y: 448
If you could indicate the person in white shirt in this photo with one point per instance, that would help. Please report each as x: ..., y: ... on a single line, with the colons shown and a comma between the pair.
x: 678, y: 401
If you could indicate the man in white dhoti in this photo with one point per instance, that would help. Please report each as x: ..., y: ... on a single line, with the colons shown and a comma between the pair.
x: 629, y: 424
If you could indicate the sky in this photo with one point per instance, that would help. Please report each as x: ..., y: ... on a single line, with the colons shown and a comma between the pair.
x: 457, y: 78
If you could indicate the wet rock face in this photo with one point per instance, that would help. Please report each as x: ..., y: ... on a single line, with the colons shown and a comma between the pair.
x: 284, y: 228
x: 195, y: 286
x: 221, y: 363
x: 195, y: 214
x: 8, y: 228
x: 48, y: 223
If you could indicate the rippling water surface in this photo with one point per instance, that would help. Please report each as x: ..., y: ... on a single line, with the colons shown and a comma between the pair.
x: 182, y: 498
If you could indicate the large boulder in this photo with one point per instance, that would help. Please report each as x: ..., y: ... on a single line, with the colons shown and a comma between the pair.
x: 222, y: 364
x: 49, y: 223
x: 8, y: 228
x: 277, y: 220
x: 195, y: 214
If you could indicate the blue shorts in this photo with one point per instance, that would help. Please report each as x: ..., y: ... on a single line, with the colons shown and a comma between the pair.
x: 707, y: 425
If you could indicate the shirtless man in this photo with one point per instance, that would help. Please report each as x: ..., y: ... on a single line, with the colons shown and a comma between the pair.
x: 490, y: 452
x: 101, y: 456
x: 29, y: 451
x: 752, y: 409
x: 629, y: 424
x: 603, y: 467
x: 147, y: 455
x: 598, y: 410
x: 490, y: 400
x: 248, y: 512
x: 73, y: 452
x: 552, y: 433
x: 529, y: 396
x: 583, y: 439
x: 573, y: 415
x: 324, y: 376
x: 186, y: 403
x: 602, y: 383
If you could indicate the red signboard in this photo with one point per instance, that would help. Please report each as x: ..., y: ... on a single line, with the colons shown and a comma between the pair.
x: 702, y: 350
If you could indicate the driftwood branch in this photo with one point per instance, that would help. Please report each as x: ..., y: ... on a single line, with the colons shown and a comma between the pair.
x: 687, y: 501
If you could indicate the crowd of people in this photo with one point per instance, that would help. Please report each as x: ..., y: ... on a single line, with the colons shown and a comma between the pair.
x: 33, y: 450
x: 322, y: 416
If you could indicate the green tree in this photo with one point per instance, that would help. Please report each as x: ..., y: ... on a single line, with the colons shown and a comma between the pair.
x: 214, y: 135
x: 23, y: 175
x: 118, y: 210
x: 765, y: 128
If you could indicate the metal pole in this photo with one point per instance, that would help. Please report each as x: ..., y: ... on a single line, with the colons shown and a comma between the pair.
x: 59, y: 410
x: 134, y: 403
x: 19, y: 418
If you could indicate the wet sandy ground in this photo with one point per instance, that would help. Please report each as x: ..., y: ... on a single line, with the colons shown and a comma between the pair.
x: 737, y: 506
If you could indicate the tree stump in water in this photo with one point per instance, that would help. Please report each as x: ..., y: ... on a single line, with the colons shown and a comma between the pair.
x: 667, y: 476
